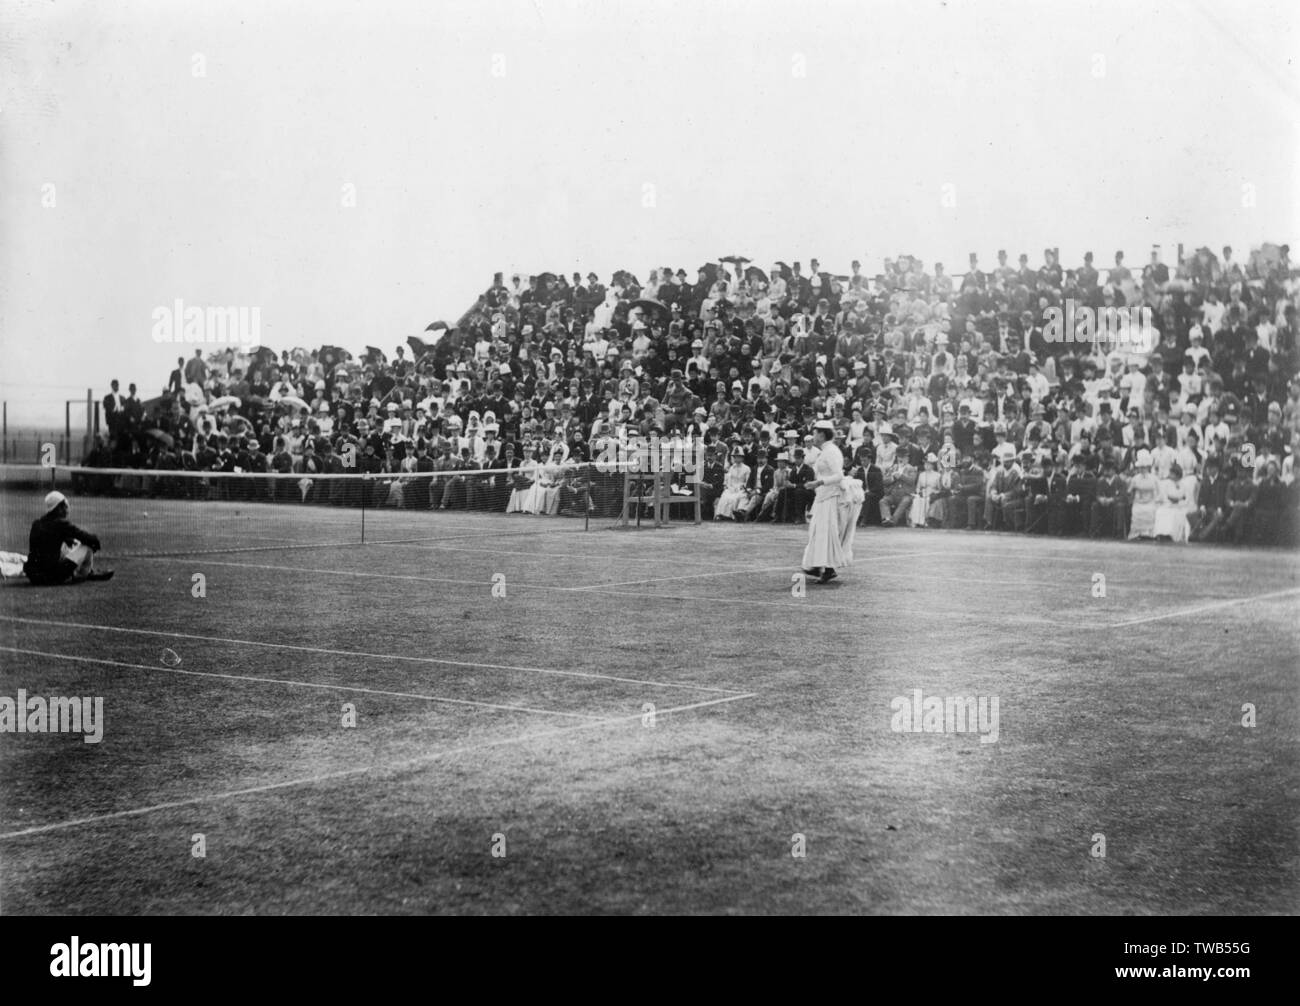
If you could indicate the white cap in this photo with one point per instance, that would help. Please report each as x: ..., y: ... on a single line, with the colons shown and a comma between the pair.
x: 54, y: 499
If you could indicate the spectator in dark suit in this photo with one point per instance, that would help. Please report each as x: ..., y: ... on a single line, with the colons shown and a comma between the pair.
x: 873, y: 483
x: 794, y: 506
x: 711, y: 479
x: 760, y: 483
x: 1211, y: 504
x: 967, y: 505
x: 1271, y: 500
x: 132, y: 411
x: 1080, y: 493
x: 113, y: 409
x: 1240, y: 503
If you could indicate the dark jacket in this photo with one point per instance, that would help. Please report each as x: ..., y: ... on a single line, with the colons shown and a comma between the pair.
x: 44, y: 559
x: 799, y: 474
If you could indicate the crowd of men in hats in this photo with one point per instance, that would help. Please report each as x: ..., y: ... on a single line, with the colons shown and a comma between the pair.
x: 950, y: 403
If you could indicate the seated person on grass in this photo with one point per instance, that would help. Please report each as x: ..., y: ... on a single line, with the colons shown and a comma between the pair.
x: 59, y: 551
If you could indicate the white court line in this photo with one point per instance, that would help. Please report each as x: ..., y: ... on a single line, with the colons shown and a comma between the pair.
x: 349, y: 773
x: 298, y: 684
x: 961, y: 580
x: 371, y: 656
x: 721, y: 572
x: 689, y: 576
x: 713, y: 599
x: 454, y: 537
x: 375, y: 576
x: 1134, y: 553
x: 235, y: 550
x: 532, y: 586
x: 657, y: 560
x: 1204, y: 607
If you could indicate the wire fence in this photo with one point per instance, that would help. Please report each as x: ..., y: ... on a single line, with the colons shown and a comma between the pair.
x: 25, y: 441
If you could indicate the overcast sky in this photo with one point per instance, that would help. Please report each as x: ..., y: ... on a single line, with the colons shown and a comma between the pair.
x: 159, y: 150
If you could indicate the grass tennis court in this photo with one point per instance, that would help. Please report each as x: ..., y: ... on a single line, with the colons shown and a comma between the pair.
x: 526, y: 716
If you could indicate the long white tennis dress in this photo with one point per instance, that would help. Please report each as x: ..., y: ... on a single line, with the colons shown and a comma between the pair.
x: 825, y: 543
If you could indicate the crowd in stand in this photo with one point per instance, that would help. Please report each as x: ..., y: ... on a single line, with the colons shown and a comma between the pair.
x: 953, y: 403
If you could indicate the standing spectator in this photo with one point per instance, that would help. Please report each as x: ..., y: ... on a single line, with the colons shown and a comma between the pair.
x: 114, y: 410
x: 176, y: 381
x: 196, y: 371
x: 132, y: 412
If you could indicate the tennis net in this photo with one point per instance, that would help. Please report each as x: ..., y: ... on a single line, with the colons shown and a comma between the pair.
x: 150, y: 512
